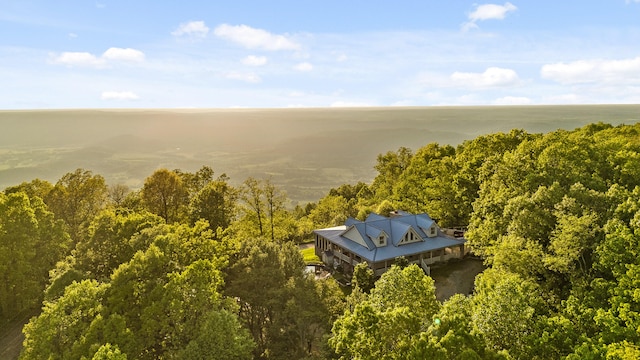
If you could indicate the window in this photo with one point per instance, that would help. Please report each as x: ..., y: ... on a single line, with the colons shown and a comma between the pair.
x: 433, y: 231
x: 381, y: 240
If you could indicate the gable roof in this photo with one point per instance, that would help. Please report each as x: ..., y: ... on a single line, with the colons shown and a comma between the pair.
x: 395, y: 228
x: 373, y: 232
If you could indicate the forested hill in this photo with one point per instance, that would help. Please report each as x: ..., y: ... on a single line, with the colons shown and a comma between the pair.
x: 306, y: 152
x: 192, y: 266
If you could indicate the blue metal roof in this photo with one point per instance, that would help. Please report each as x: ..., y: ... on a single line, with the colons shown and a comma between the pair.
x: 373, y: 232
x: 398, y: 229
x: 395, y: 227
x: 350, y: 221
x: 374, y: 217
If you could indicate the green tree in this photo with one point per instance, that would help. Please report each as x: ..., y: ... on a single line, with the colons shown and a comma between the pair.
x: 571, y: 243
x: 285, y: 311
x: 194, y: 182
x: 274, y: 200
x: 363, y: 277
x: 118, y: 194
x: 471, y: 157
x: 406, y: 287
x: 31, y: 242
x: 165, y: 302
x: 426, y: 185
x: 388, y: 322
x: 553, y: 337
x: 164, y: 194
x: 263, y: 213
x: 220, y: 336
x: 504, y: 312
x: 34, y: 188
x: 451, y: 334
x: 109, y: 352
x: 330, y: 211
x: 617, y: 313
x: 76, y: 199
x: 386, y: 207
x: 389, y: 167
x: 216, y: 203
x: 54, y: 333
x: 352, y: 192
x: 253, y: 198
x: 108, y: 244
x: 169, y: 313
x: 367, y: 333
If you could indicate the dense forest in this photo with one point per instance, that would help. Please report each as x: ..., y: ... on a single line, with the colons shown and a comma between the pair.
x: 191, y: 267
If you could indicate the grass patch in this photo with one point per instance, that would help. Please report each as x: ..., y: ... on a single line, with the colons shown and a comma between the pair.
x: 310, y: 256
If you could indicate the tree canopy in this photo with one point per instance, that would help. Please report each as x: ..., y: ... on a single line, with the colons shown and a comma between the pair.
x: 192, y: 267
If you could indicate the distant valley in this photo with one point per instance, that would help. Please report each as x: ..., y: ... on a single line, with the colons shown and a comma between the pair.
x: 304, y: 151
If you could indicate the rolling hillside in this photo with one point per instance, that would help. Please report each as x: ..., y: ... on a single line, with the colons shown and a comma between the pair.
x: 305, y: 151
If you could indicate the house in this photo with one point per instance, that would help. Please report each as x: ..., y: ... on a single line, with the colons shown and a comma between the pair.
x: 379, y: 240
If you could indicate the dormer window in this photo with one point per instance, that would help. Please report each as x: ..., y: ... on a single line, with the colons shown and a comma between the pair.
x: 381, y: 240
x: 410, y: 237
x: 432, y: 231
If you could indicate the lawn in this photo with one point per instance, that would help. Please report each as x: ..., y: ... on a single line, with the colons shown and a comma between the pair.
x: 310, y: 256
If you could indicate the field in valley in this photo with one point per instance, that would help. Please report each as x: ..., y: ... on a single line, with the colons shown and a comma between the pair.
x: 304, y: 151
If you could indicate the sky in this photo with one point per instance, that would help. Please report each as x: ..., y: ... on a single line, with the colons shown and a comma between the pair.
x: 70, y: 54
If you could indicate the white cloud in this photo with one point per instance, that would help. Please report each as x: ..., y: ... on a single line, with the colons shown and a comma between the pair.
x: 119, y: 95
x: 252, y: 38
x: 492, y: 11
x: 492, y: 77
x: 513, y: 100
x: 253, y: 60
x: 85, y: 59
x: 72, y: 35
x: 586, y: 71
x: 488, y: 12
x: 469, y: 25
x: 456, y: 64
x: 246, y: 77
x: 78, y: 59
x: 121, y: 54
x: 304, y: 67
x: 195, y: 29
x: 566, y: 73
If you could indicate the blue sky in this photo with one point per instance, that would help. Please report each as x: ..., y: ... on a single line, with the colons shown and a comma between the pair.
x: 262, y: 54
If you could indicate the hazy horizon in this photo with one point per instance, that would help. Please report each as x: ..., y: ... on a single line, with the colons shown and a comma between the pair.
x: 304, y: 151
